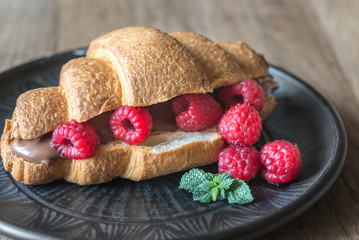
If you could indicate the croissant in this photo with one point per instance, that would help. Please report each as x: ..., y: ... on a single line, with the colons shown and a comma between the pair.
x: 134, y: 66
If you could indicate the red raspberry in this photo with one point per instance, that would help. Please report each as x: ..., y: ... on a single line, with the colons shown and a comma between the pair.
x: 75, y: 140
x: 281, y: 162
x: 196, y: 112
x: 131, y: 124
x: 240, y: 125
x: 246, y: 91
x: 241, y: 162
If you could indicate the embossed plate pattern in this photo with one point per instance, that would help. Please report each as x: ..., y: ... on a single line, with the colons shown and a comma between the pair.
x: 156, y: 209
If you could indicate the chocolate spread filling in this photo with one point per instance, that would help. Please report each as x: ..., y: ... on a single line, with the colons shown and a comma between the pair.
x: 162, y: 117
x: 101, y: 124
x: 268, y: 84
x: 40, y: 150
x: 35, y: 150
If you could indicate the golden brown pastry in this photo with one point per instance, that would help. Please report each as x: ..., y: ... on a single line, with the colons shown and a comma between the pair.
x: 134, y: 66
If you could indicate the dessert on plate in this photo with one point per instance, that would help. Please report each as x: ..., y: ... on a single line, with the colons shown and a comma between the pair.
x: 142, y: 103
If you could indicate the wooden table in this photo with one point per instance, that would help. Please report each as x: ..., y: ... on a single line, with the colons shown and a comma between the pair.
x: 317, y: 40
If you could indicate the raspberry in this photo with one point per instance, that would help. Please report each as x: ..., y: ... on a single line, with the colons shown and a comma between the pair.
x: 131, y: 124
x: 241, y: 162
x: 75, y: 140
x: 240, y: 125
x: 246, y: 91
x: 196, y: 112
x: 281, y: 162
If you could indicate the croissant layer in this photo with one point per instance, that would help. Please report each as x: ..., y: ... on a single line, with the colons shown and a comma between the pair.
x: 134, y: 66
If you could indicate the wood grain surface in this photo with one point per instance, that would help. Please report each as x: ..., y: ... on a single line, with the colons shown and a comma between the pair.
x: 317, y: 40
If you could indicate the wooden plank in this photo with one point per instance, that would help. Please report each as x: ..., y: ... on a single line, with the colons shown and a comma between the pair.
x: 100, y: 17
x: 27, y: 30
x: 339, y: 20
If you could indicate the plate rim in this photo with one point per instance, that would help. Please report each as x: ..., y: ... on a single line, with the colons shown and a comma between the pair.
x: 305, y: 201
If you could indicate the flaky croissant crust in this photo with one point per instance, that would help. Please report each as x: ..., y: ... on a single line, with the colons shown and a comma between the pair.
x: 135, y: 66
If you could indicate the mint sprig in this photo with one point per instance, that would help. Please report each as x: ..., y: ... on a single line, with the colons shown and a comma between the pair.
x: 207, y: 187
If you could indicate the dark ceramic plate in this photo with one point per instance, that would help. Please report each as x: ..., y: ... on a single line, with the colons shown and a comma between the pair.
x: 156, y: 209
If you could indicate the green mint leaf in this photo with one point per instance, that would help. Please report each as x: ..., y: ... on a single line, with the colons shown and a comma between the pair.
x: 215, y: 193
x: 191, y: 180
x: 218, y: 186
x: 222, y: 194
x: 201, y: 196
x: 208, y: 187
x: 225, y: 181
x: 239, y: 193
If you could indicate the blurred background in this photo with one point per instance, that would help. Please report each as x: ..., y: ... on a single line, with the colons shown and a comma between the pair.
x: 317, y: 40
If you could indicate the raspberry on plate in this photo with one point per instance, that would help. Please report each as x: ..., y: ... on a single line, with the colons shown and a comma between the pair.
x: 240, y: 125
x: 241, y: 162
x: 131, y: 124
x: 246, y: 91
x: 281, y: 161
x: 75, y: 140
x: 196, y: 112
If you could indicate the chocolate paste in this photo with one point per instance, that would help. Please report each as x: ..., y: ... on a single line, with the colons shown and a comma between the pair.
x: 268, y: 84
x: 40, y: 150
x: 101, y: 124
x: 35, y: 150
x: 162, y: 117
